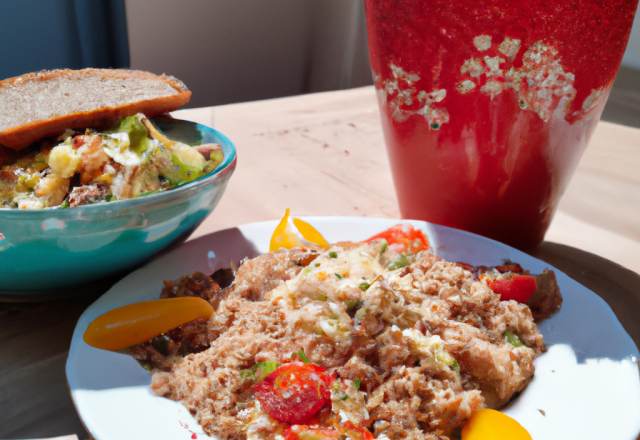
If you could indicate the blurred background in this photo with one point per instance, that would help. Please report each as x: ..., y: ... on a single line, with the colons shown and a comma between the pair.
x: 225, y: 50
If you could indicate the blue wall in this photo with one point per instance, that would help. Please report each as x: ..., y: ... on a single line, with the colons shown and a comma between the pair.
x: 55, y: 34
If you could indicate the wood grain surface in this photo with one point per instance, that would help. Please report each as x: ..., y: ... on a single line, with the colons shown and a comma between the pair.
x: 323, y: 154
x: 34, y: 344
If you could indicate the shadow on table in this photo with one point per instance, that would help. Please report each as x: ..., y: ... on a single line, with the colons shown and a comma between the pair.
x: 34, y: 344
x: 94, y: 369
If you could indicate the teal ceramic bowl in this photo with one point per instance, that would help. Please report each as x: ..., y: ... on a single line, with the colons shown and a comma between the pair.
x: 53, y: 252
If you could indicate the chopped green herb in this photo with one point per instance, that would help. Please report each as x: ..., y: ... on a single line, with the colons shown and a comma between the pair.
x: 261, y: 370
x: 455, y: 365
x: 333, y: 254
x: 512, y: 339
x: 345, y: 397
x: 401, y: 261
x: 353, y: 304
x: 64, y: 205
x: 138, y: 133
x: 435, y: 126
x: 364, y: 286
x: 303, y: 356
x: 111, y: 198
x: 338, y: 276
x: 40, y: 166
x: 356, y: 383
x: 384, y: 247
x: 146, y: 193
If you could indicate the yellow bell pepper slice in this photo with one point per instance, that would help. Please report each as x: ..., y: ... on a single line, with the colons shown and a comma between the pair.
x: 136, y: 323
x: 284, y: 237
x: 310, y: 233
x: 489, y: 424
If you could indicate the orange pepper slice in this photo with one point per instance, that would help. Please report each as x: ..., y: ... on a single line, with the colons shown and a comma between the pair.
x: 136, y: 323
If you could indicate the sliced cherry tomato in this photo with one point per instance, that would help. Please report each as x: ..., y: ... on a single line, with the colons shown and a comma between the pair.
x: 409, y: 238
x: 346, y: 429
x: 294, y: 392
x: 519, y: 288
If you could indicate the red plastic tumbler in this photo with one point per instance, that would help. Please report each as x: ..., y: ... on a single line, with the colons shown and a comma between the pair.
x: 487, y: 105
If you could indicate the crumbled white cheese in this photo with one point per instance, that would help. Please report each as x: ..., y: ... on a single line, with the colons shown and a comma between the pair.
x: 117, y: 147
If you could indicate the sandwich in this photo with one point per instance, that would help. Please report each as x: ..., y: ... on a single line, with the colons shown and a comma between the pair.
x: 38, y: 105
x: 70, y: 138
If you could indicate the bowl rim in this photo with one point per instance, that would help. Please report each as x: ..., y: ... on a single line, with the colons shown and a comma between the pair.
x: 219, y: 173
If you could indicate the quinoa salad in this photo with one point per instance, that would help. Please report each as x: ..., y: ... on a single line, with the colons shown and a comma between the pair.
x: 129, y: 160
x: 374, y: 339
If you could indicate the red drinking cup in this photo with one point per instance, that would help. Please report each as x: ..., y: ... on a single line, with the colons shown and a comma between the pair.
x: 488, y: 105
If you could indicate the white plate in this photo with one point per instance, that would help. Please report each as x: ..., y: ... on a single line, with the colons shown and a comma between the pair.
x: 587, y: 383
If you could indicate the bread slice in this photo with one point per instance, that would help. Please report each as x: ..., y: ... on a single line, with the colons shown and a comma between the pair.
x: 37, y: 105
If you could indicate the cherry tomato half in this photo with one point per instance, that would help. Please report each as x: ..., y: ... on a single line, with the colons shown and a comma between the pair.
x: 413, y: 240
x: 294, y: 392
x: 519, y: 288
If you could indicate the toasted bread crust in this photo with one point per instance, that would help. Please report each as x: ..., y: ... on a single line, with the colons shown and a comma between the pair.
x: 22, y: 135
x: 5, y: 153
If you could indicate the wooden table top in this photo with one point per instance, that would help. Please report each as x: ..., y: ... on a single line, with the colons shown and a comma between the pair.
x: 303, y: 152
x: 323, y: 154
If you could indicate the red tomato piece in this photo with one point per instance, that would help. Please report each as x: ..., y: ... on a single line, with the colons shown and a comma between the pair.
x: 355, y: 432
x: 347, y: 429
x: 294, y: 392
x: 412, y: 239
x: 79, y: 141
x: 303, y: 432
x: 519, y: 288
